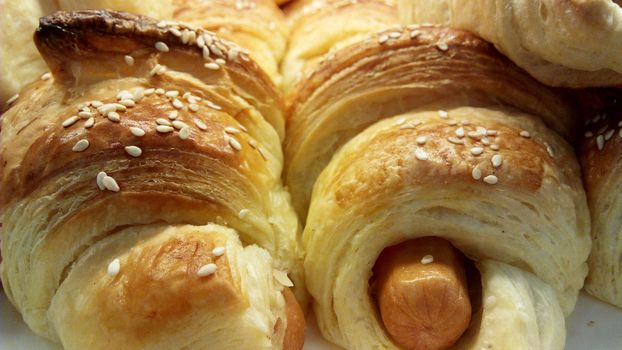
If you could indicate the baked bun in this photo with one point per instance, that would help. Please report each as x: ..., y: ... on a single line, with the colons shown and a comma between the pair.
x: 135, y: 135
x: 572, y: 43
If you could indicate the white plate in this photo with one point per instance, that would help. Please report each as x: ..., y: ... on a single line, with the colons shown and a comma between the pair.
x: 593, y: 325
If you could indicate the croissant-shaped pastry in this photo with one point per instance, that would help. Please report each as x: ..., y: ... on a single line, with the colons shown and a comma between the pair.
x: 114, y: 168
x: 601, y: 157
x: 426, y: 139
x: 573, y: 43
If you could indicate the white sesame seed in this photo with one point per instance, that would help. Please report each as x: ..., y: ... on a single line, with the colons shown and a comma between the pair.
x: 494, y: 147
x: 113, y: 268
x: 175, y: 32
x: 549, y: 150
x: 113, y: 117
x: 525, y: 134
x: 159, y: 91
x: 161, y: 24
x: 491, y: 179
x: 442, y: 46
x: 242, y: 214
x: 421, y: 154
x: 395, y: 35
x: 213, y: 105
x: 220, y: 61
x: 200, y: 42
x: 455, y: 140
x: 400, y: 121
x: 383, y: 38
x: 218, y: 251
x: 70, y: 121
x: 609, y: 134
x: 476, y: 173
x: 164, y: 129
x: 234, y: 143
x: 149, y: 91
x: 491, y: 132
x: 460, y: 132
x: 427, y: 259
x: 421, y: 140
x: 137, y: 131
x: 414, y: 34
x: 588, y: 134
x: 133, y: 151
x: 96, y: 103
x: 129, y: 60
x: 161, y: 46
x: 212, y: 66
x: 89, y: 123
x: 110, y: 184
x: 158, y: 69
x: 184, y: 133
x: 128, y: 103
x: 81, y: 145
x: 12, y: 99
x: 106, y: 108
x: 200, y: 124
x: 600, y: 142
x: 485, y: 141
x: 496, y: 160
x: 100, y: 180
x: 206, y: 270
x: 231, y: 130
x: 172, y: 93
x: 119, y: 107
x: 178, y: 104
x: 443, y: 114
x: 232, y: 55
x: 193, y: 107
x: 178, y: 124
x: 476, y: 151
x: 172, y: 115
x: 217, y: 51
x: 162, y: 121
x: 46, y: 76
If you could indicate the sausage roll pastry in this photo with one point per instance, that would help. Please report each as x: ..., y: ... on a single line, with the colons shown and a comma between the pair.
x: 573, y: 43
x: 445, y: 209
x: 141, y: 200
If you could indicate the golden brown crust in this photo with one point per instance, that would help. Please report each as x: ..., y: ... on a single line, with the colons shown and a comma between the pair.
x: 295, y: 332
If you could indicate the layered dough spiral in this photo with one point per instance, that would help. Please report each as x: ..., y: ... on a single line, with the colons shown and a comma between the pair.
x: 573, y: 43
x: 117, y: 162
x: 428, y: 131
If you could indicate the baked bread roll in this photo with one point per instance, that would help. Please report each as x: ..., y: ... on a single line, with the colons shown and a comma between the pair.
x: 429, y: 132
x: 256, y: 25
x: 319, y: 27
x: 103, y: 165
x: 601, y: 156
x: 573, y: 43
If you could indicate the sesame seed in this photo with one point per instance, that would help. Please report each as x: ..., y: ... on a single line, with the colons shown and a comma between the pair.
x: 588, y: 134
x: 128, y: 103
x: 609, y: 134
x: 234, y: 143
x: 620, y: 124
x: 242, y: 214
x: 496, y: 160
x: 70, y: 121
x: 442, y: 46
x: 600, y: 142
x: 212, y: 105
x: 96, y: 103
x: 100, y: 180
x: 107, y: 108
x: 200, y: 124
x: 119, y: 107
x: 443, y: 114
x: 395, y: 35
x: 113, y: 117
x: 491, y: 179
x: 217, y: 51
x: 205, y: 52
x: 172, y: 93
x: 218, y: 251
x: 421, y: 154
x: 603, y: 129
x: 110, y: 184
x: 476, y: 173
x: 212, y: 66
x: 400, y: 121
x: 164, y: 129
x: 414, y: 34
x: 46, y: 76
x: 620, y: 133
x: 178, y: 104
x: 455, y: 140
x: 161, y: 24
x: 113, y: 268
x: 383, y: 38
x: 12, y: 99
x: 149, y: 91
x: 491, y: 132
x: 200, y: 42
x: 162, y: 121
x: 494, y: 147
x: 460, y: 132
x: 158, y: 69
x: 159, y: 91
x: 137, y: 131
x: 485, y: 141
x: 133, y: 151
x: 184, y: 133
x: 549, y: 150
x: 206, y: 270
x: 161, y: 46
x: 476, y: 151
x: 193, y: 107
x: 89, y: 123
x: 525, y: 134
x: 175, y: 32
x: 232, y: 55
x: 129, y: 60
x: 427, y: 259
x: 172, y: 115
x: 178, y: 124
x: 231, y: 130
x: 420, y: 140
x: 220, y: 61
x: 81, y: 145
